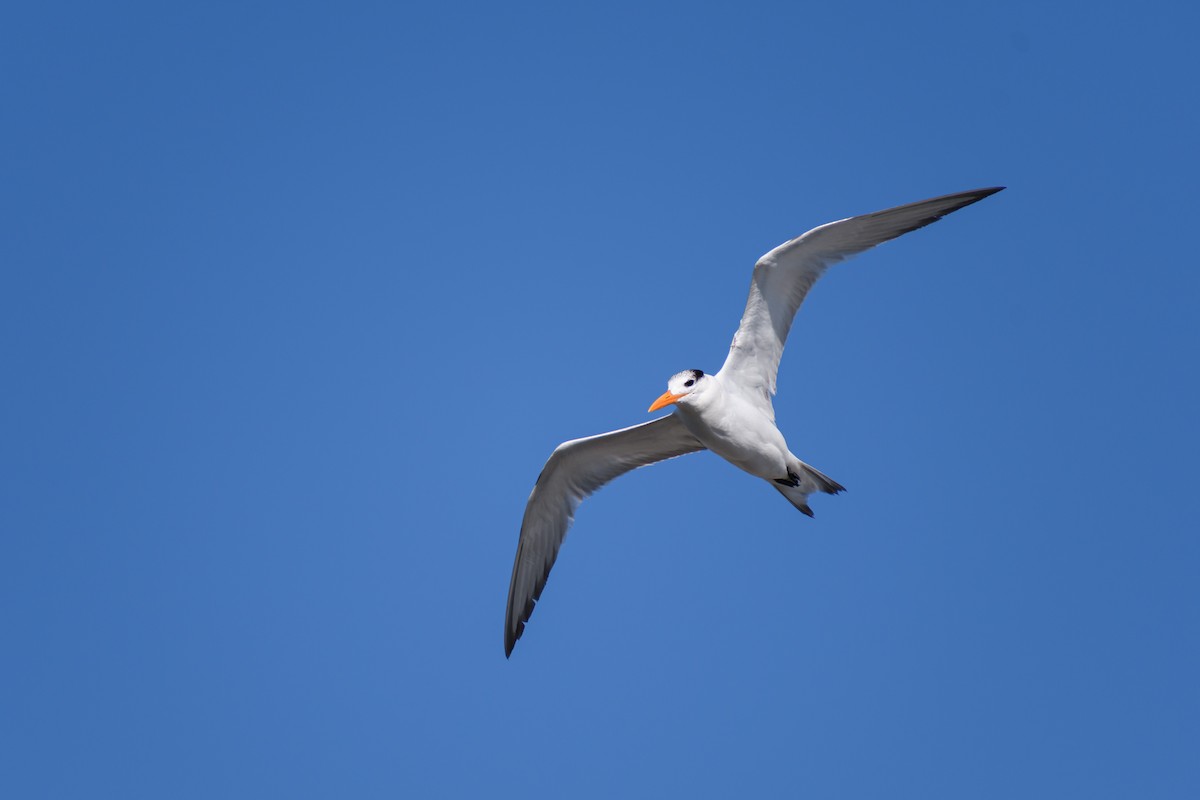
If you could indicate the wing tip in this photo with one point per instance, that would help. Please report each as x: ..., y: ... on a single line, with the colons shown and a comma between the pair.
x: 964, y: 199
x: 990, y: 190
x: 514, y: 626
x: 975, y: 195
x: 937, y: 208
x: 511, y: 634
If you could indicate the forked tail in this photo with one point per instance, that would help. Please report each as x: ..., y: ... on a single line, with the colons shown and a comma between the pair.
x: 803, y: 480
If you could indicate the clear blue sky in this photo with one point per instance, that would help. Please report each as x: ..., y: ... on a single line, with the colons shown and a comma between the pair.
x: 296, y: 300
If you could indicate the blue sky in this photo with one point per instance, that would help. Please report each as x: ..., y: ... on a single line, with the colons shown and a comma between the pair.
x: 295, y: 300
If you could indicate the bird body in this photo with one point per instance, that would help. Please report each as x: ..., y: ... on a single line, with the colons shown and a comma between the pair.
x: 729, y: 422
x: 729, y: 413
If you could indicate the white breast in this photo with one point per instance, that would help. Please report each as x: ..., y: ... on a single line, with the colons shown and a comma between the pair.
x: 738, y: 429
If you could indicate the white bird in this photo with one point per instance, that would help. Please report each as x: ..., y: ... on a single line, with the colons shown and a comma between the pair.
x: 729, y: 413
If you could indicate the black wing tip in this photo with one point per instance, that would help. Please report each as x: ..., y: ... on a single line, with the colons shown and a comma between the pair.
x: 979, y: 194
x: 966, y: 198
x: 510, y: 638
x: 512, y: 632
x: 938, y: 208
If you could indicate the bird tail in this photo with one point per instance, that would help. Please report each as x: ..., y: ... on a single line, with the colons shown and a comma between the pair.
x: 823, y: 482
x: 802, y: 481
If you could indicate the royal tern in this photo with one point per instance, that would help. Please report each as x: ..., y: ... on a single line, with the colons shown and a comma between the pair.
x: 729, y: 413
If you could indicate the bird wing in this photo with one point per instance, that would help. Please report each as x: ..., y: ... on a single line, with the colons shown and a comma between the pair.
x: 783, y: 277
x: 574, y: 471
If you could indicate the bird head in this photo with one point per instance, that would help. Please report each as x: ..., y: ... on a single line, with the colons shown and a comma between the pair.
x: 680, y: 386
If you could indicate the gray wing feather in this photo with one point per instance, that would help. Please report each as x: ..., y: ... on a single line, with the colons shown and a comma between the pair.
x: 574, y: 471
x: 783, y: 277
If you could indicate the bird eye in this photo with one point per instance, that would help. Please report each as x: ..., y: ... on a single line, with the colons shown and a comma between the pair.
x: 688, y: 382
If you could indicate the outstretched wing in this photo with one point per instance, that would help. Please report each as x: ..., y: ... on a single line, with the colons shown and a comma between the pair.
x: 783, y: 277
x: 575, y: 470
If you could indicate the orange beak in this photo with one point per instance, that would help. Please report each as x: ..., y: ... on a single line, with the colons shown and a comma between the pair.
x: 664, y: 401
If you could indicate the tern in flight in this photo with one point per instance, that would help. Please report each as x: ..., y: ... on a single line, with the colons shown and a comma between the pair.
x: 729, y: 413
